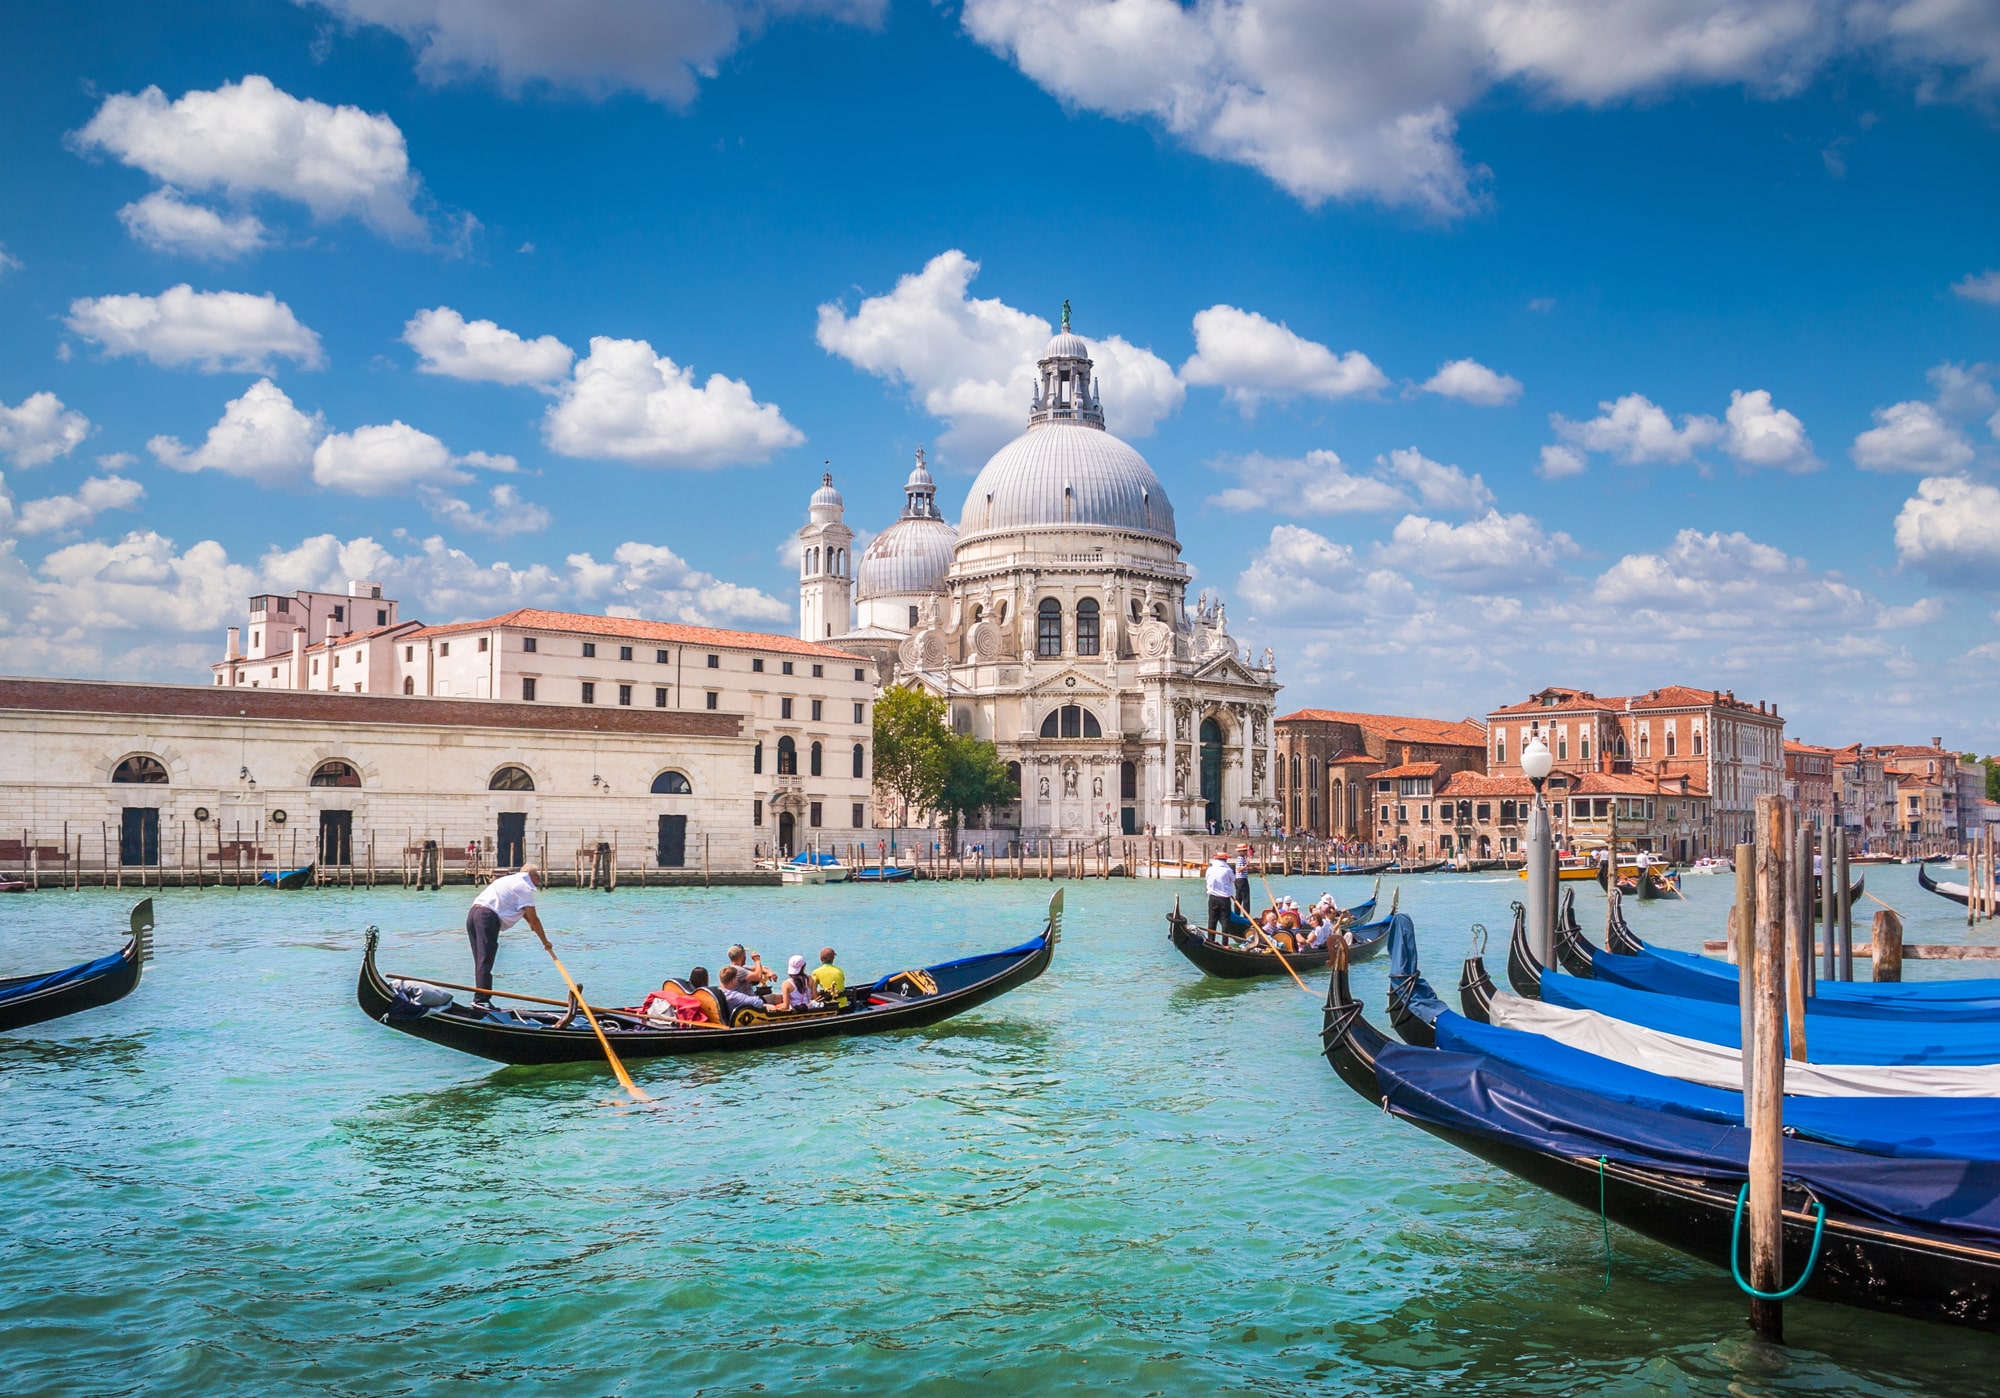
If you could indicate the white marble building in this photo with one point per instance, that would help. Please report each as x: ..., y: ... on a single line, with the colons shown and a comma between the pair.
x: 1055, y: 621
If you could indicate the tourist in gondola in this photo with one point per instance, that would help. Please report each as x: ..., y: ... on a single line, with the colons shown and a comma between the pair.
x: 504, y: 902
x: 831, y: 980
x: 735, y: 996
x: 755, y: 974
x: 1221, y: 892
x: 796, y: 991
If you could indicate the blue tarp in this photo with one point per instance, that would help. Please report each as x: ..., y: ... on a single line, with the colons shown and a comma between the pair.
x: 1705, y: 978
x: 1480, y: 1096
x: 89, y: 970
x: 1954, y: 1127
x: 1830, y: 1038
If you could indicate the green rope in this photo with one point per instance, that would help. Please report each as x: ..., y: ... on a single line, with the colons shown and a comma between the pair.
x: 1604, y: 1221
x: 1736, y: 1270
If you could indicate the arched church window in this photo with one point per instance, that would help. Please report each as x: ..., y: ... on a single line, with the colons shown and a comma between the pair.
x: 1071, y: 721
x: 1086, y: 627
x: 672, y: 783
x: 788, y: 758
x: 409, y: 684
x: 335, y: 773
x: 511, y: 779
x: 139, y: 768
x: 1048, y: 628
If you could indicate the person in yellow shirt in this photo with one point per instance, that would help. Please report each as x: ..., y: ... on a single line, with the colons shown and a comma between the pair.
x: 831, y: 980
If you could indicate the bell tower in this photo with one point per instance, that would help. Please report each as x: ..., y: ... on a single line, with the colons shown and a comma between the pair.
x: 826, y: 571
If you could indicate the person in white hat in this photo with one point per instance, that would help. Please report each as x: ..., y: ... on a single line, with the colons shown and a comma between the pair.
x: 795, y: 991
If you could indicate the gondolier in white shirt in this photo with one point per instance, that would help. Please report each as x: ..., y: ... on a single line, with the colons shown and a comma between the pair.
x: 1221, y: 892
x: 506, y: 901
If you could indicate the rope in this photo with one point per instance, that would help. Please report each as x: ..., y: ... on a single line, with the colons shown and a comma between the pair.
x: 1736, y: 1269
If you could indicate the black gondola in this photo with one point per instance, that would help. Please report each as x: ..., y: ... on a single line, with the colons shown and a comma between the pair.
x: 1683, y: 1193
x: 1380, y: 867
x: 1958, y: 893
x: 26, y: 1000
x: 287, y: 878
x: 904, y: 1000
x: 1234, y: 963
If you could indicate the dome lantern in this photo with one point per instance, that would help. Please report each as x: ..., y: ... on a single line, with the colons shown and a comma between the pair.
x: 1065, y: 388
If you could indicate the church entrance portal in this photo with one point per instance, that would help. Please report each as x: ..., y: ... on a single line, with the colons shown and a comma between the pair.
x: 786, y: 826
x: 1211, y: 772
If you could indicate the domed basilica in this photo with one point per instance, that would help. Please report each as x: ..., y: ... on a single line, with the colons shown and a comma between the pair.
x: 1054, y: 621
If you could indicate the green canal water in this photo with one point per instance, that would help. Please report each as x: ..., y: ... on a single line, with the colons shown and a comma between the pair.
x: 1122, y: 1178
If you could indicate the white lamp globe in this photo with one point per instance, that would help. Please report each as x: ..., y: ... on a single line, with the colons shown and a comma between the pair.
x: 1537, y: 761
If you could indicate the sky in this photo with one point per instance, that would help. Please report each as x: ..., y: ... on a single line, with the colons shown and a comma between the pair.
x: 1480, y: 346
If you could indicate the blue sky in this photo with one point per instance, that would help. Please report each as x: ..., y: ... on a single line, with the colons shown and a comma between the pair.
x: 1718, y: 284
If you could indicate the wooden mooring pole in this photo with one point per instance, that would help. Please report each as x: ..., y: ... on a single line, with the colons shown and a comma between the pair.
x: 1767, y: 1100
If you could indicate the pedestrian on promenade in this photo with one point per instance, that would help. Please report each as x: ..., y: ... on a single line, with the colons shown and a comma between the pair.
x: 504, y: 902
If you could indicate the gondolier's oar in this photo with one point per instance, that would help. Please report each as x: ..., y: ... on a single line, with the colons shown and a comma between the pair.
x: 1275, y: 952
x: 1866, y: 894
x: 624, y: 1077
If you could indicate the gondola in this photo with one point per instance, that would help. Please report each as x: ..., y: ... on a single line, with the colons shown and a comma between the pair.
x: 903, y: 1000
x: 887, y: 873
x: 1855, y: 889
x: 1430, y: 868
x: 1959, y: 893
x: 287, y: 878
x: 1658, y: 883
x: 1915, y: 1237
x: 1380, y: 867
x: 1232, y: 963
x: 26, y: 1000
x: 13, y: 885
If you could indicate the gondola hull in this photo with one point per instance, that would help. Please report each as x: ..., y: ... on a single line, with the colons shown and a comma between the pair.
x: 1957, y: 892
x: 1228, y: 963
x: 26, y: 1000
x: 967, y: 984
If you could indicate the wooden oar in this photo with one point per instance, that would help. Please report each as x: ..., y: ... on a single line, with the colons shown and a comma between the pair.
x: 1866, y: 894
x: 624, y: 1078
x: 1274, y: 950
x: 503, y: 994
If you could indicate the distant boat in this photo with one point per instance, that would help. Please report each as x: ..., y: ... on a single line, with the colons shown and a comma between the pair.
x: 1709, y: 864
x: 809, y: 866
x: 288, y: 879
x: 887, y: 873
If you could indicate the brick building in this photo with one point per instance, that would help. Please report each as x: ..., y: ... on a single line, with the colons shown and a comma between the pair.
x: 1329, y: 761
x: 1484, y: 816
x: 1809, y: 781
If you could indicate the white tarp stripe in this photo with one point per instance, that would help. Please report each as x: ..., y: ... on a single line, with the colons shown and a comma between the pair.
x: 1717, y: 1065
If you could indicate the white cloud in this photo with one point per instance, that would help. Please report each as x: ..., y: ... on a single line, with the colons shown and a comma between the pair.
x: 212, y: 330
x: 626, y: 403
x: 595, y: 47
x: 1950, y: 529
x: 1297, y: 571
x: 8, y: 262
x: 165, y: 222
x: 1707, y: 583
x: 1438, y: 486
x: 261, y: 437
x: 384, y: 460
x: 510, y: 514
x: 1760, y: 434
x: 56, y: 514
x: 250, y: 138
x: 1983, y: 287
x: 1361, y: 98
x: 1492, y: 552
x: 653, y: 580
x: 1635, y: 430
x: 1912, y: 437
x: 971, y: 362
x: 1317, y: 484
x: 1473, y: 382
x: 480, y: 351
x: 40, y: 430
x: 1251, y: 358
x: 138, y: 585
x: 1558, y: 462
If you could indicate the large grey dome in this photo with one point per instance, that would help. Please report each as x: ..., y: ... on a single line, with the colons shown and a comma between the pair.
x: 1067, y: 474
x: 910, y: 556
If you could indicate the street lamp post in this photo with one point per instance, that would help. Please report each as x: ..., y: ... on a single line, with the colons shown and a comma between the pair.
x: 1537, y: 762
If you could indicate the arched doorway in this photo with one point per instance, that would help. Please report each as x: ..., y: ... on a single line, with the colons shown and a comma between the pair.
x: 1211, y: 772
x: 786, y: 826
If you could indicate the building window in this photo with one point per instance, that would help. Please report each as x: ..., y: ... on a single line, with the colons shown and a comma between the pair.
x: 1086, y: 627
x: 410, y: 684
x: 590, y: 650
x: 757, y: 811
x: 335, y: 773
x: 860, y: 811
x: 1562, y: 747
x: 715, y: 662
x: 511, y: 779
x: 1048, y: 628
x: 624, y: 652
x: 528, y: 689
x: 1385, y: 815
x: 785, y: 667
x: 714, y: 700
x: 757, y: 758
x: 1499, y: 747
x: 1483, y: 811
x: 659, y: 657
x: 410, y: 652
x: 382, y: 616
x: 819, y: 672
x: 1697, y: 742
x: 1670, y: 742
x: 1071, y: 721
x: 671, y: 783
x: 315, y: 665
x: 784, y: 708
x: 860, y: 762
x: 285, y: 605
x: 816, y: 711
x: 1645, y: 742
x: 1402, y: 815
x: 625, y: 695
x: 757, y: 664
x: 1583, y: 744
x: 482, y: 645
x: 528, y: 645
x: 141, y: 770
x: 859, y: 674
x: 861, y: 713
x: 818, y: 755
x: 913, y: 618
x: 788, y: 757
x: 813, y: 815
x: 659, y: 697
x: 589, y: 692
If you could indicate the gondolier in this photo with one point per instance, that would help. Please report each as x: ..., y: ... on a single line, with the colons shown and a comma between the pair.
x: 1221, y: 892
x: 506, y: 901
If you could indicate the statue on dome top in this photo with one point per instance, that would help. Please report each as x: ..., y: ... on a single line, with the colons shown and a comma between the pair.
x: 1065, y: 315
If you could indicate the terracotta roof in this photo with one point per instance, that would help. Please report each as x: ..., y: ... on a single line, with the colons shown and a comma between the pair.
x: 1568, y: 700
x: 1580, y: 784
x: 1412, y: 769
x: 1464, y: 733
x: 1350, y: 758
x: 1793, y: 745
x: 1680, y: 696
x: 631, y: 628
x: 1480, y: 784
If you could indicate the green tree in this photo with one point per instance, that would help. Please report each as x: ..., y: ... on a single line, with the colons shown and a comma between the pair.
x: 974, y: 779
x: 1992, y: 765
x: 910, y: 741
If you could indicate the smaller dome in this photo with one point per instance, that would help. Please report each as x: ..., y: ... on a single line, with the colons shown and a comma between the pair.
x: 826, y: 494
x: 1066, y: 346
x: 908, y: 558
x: 920, y: 476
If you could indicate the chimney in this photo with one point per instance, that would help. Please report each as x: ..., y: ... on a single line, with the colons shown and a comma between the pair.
x: 235, y: 649
x: 299, y: 658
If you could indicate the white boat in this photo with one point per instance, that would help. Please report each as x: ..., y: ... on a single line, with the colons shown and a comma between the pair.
x: 1709, y: 864
x: 809, y: 866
